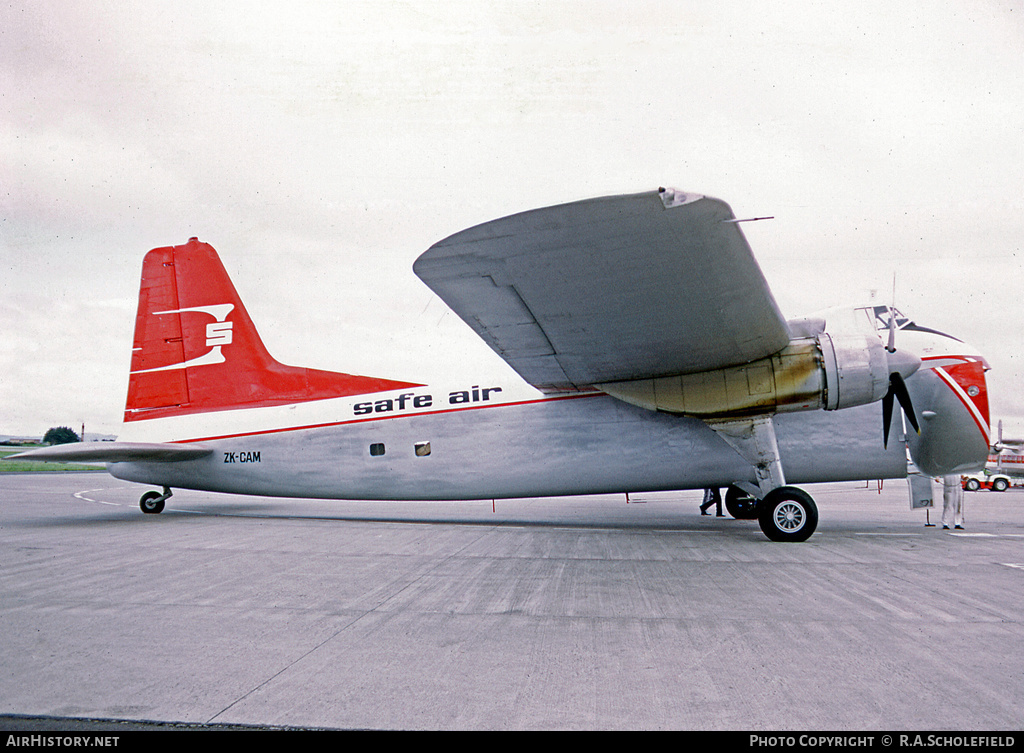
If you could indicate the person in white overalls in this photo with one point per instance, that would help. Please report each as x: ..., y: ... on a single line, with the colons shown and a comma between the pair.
x: 952, y: 502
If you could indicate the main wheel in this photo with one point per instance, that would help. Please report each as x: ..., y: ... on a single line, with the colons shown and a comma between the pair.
x: 740, y: 505
x: 152, y: 503
x: 787, y: 514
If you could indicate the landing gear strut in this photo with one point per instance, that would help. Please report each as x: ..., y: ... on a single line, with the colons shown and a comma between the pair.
x: 784, y: 512
x: 787, y: 514
x: 152, y: 503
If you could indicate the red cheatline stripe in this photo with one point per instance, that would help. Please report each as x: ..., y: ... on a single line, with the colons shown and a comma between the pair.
x: 383, y: 418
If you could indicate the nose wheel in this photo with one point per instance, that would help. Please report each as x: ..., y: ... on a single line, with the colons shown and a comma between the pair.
x: 787, y: 514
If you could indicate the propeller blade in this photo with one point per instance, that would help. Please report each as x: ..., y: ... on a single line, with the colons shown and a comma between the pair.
x: 897, y: 385
x: 886, y: 416
x: 891, y: 345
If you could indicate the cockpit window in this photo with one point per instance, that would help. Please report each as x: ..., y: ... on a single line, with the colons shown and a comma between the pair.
x: 882, y: 315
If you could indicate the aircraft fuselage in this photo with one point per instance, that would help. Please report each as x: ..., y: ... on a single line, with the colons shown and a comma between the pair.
x: 579, y: 444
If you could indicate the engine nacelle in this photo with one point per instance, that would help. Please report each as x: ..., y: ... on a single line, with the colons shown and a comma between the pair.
x: 856, y: 370
x: 810, y: 373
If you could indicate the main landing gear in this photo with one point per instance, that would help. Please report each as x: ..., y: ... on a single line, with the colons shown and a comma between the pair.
x: 740, y: 504
x: 785, y: 513
x: 152, y: 503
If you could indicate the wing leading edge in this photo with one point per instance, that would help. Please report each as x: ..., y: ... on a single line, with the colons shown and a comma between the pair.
x: 610, y: 289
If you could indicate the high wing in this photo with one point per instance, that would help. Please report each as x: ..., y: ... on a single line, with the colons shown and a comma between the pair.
x: 610, y: 289
x: 115, y: 452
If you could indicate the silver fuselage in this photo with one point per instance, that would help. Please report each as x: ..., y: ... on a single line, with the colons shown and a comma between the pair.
x: 581, y: 444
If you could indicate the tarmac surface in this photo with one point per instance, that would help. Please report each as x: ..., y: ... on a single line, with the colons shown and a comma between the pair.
x: 567, y: 613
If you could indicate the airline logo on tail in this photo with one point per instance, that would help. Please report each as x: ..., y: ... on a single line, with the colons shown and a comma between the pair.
x: 178, y: 362
x: 218, y: 334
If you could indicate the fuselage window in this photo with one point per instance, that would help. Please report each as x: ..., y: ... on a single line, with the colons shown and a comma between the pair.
x: 422, y: 449
x: 377, y: 448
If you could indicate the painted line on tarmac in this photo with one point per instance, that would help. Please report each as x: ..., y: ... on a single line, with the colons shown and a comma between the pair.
x: 605, y: 529
x: 886, y: 534
x: 81, y: 495
x: 965, y: 535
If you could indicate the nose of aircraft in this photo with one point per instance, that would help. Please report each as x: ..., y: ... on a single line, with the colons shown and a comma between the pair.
x: 953, y: 403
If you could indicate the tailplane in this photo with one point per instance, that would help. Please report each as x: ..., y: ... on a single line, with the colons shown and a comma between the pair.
x: 196, y: 350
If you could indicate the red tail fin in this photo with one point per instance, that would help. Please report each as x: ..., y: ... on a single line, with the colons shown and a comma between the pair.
x: 196, y: 350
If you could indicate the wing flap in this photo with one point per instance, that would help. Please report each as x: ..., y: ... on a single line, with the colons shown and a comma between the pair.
x: 115, y: 452
x: 610, y: 289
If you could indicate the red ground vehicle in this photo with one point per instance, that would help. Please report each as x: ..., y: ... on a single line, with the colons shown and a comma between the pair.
x: 996, y: 482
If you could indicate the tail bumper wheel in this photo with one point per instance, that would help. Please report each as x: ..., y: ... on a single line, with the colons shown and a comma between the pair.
x: 152, y: 503
x: 788, y: 514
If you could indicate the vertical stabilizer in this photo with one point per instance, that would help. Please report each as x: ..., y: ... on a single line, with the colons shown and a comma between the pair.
x: 196, y: 349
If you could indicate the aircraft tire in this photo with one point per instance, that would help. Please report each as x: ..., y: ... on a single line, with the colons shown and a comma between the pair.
x: 740, y: 505
x: 787, y: 514
x: 151, y: 503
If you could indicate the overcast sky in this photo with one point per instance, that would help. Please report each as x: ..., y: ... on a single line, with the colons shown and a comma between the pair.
x: 321, y: 147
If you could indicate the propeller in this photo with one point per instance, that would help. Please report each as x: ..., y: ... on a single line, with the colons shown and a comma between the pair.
x: 998, y: 447
x: 897, y: 390
x: 899, y: 364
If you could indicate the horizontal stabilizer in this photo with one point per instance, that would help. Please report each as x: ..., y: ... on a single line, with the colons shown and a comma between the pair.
x: 114, y: 452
